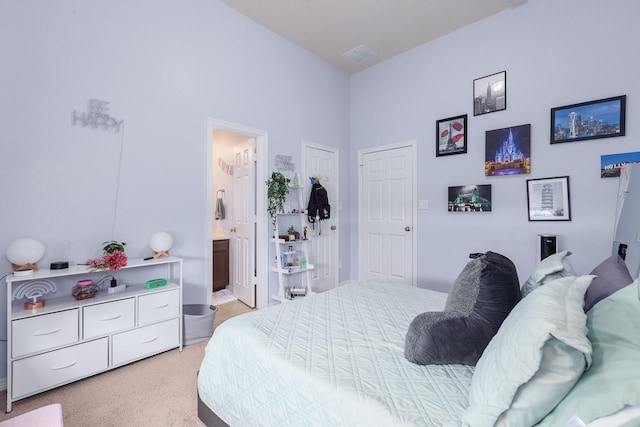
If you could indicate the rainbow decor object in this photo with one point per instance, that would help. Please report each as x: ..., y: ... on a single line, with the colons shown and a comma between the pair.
x: 226, y: 167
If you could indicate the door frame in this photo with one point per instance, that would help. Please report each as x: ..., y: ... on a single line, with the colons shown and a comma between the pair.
x: 262, y: 225
x: 412, y: 144
x: 336, y: 217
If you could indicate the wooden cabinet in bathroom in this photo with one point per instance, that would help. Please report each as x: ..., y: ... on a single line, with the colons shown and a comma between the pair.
x: 220, y: 264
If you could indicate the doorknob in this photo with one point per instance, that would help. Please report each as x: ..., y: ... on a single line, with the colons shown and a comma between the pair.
x: 233, y: 230
x: 407, y: 228
x: 333, y: 227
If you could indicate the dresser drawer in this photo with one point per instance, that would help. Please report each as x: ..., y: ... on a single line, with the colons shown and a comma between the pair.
x: 58, y: 367
x: 145, y: 341
x: 158, y: 306
x: 103, y: 319
x: 44, y: 332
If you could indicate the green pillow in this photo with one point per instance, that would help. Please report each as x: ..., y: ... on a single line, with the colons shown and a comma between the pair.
x: 613, y: 380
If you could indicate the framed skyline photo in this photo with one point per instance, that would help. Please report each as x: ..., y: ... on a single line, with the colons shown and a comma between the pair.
x: 604, y: 118
x: 451, y: 136
x: 508, y: 151
x: 490, y: 93
x: 548, y: 199
x: 470, y: 198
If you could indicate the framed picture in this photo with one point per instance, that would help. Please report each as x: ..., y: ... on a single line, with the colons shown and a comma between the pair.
x: 490, y: 93
x: 611, y: 164
x: 604, y: 118
x: 507, y: 151
x: 470, y: 198
x: 548, y: 199
x: 451, y: 136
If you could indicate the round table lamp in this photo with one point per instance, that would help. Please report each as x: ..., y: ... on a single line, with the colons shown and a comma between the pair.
x: 160, y: 244
x: 24, y: 254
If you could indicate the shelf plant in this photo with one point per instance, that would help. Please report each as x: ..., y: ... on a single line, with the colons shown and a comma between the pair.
x: 277, y: 190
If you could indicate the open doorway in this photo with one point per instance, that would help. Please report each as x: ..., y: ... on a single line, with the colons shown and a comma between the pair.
x: 236, y: 159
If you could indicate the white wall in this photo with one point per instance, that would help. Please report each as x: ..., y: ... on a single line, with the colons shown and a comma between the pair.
x: 164, y: 67
x: 555, y: 53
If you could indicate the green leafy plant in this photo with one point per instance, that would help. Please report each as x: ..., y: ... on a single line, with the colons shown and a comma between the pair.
x: 277, y: 190
x: 291, y: 230
x: 111, y: 246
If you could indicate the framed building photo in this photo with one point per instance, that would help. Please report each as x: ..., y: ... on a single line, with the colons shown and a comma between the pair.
x: 490, y: 93
x: 548, y: 199
x: 611, y: 164
x: 451, y: 136
x: 470, y: 198
x: 604, y: 118
x: 508, y: 151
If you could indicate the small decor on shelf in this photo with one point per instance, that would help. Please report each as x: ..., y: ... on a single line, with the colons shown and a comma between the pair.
x: 24, y: 254
x: 293, y: 234
x: 113, y: 259
x: 160, y: 243
x: 277, y: 190
x: 84, y: 289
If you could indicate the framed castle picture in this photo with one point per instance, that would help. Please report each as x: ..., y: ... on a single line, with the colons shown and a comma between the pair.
x: 508, y: 151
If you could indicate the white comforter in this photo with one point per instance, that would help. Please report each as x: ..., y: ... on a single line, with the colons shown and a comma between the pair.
x: 332, y: 359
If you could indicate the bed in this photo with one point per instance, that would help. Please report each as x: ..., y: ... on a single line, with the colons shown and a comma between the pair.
x: 344, y: 357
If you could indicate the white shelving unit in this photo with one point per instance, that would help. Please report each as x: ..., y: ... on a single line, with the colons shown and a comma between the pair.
x: 69, y: 339
x: 292, y: 276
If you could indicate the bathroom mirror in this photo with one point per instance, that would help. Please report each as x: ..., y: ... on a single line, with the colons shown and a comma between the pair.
x: 627, y: 225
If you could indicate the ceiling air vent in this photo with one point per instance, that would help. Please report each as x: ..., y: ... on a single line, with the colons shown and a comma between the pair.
x: 359, y: 54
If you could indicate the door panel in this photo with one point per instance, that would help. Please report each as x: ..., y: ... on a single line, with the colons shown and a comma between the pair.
x: 323, y: 247
x: 243, y: 231
x: 387, y: 222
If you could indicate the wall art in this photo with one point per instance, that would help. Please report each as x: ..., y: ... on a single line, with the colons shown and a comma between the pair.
x: 611, y: 164
x: 451, y: 136
x: 470, y: 198
x: 507, y: 151
x: 548, y: 199
x: 490, y: 93
x: 604, y: 118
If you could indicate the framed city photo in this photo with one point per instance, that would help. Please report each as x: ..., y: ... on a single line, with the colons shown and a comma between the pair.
x: 611, y: 164
x: 548, y: 199
x: 604, y: 118
x: 508, y: 151
x: 470, y: 198
x: 490, y: 93
x: 451, y: 136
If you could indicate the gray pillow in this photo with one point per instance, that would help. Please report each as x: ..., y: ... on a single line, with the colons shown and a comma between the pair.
x: 613, y: 275
x: 481, y: 298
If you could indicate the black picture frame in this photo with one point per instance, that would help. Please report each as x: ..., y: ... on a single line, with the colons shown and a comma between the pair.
x: 451, y: 136
x: 548, y: 199
x: 606, y: 119
x: 490, y: 93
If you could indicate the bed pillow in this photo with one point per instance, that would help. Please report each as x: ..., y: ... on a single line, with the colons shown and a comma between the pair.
x: 613, y: 275
x: 535, y: 358
x: 613, y: 380
x: 481, y: 298
x: 549, y: 269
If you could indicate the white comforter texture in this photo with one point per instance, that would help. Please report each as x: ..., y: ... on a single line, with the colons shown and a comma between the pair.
x: 332, y: 359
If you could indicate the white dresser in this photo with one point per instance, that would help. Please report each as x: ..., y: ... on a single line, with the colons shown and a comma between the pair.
x: 67, y: 340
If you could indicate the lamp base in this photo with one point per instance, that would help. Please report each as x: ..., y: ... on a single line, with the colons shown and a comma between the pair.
x: 28, y: 266
x: 158, y: 254
x: 34, y: 305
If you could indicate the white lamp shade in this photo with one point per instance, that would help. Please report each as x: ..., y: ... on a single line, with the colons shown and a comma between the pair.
x: 160, y: 242
x: 25, y: 251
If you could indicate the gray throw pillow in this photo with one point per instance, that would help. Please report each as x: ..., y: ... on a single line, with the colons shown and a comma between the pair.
x: 481, y: 298
x: 613, y: 275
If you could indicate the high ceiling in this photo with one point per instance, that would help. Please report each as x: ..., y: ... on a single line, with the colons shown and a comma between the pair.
x: 331, y: 28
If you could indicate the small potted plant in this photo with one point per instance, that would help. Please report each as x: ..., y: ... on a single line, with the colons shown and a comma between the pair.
x: 292, y: 232
x: 277, y: 190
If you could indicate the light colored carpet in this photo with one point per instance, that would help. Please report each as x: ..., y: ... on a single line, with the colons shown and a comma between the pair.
x: 157, y: 391
x: 223, y: 296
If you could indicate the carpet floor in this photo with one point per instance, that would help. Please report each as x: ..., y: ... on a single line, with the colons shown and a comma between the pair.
x: 157, y: 391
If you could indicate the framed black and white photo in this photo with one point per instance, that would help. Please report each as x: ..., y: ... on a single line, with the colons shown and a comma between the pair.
x: 470, y: 198
x: 451, y: 136
x: 548, y: 199
x: 604, y: 118
x: 490, y: 93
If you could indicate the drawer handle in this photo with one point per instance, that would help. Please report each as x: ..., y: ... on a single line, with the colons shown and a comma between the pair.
x: 39, y: 334
x: 161, y: 306
x: 111, y: 318
x: 64, y: 367
x: 149, y: 340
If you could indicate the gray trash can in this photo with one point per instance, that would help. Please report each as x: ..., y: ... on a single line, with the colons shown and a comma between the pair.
x: 197, y: 322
